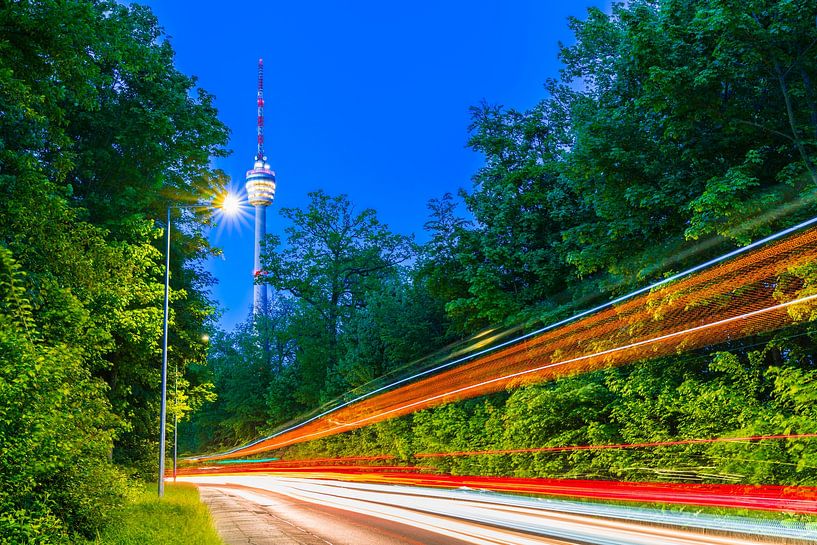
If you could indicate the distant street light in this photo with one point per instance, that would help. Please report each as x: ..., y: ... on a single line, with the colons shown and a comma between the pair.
x: 230, y: 205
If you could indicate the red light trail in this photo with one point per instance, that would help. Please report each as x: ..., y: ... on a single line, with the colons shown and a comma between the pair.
x: 791, y: 499
x: 337, y: 461
x: 752, y: 438
x: 482, y: 517
x: 307, y: 464
x: 788, y: 499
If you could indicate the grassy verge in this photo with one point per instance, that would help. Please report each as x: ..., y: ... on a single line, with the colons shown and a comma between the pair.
x: 177, y: 519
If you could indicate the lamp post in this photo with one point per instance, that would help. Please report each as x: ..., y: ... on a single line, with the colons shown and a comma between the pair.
x: 163, y: 411
x: 230, y: 205
x: 175, y: 418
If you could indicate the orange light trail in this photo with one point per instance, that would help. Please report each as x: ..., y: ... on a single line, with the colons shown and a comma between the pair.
x: 346, y: 461
x: 756, y: 292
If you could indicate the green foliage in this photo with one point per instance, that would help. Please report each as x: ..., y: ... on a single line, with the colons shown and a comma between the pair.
x: 397, y: 323
x: 509, y: 259
x: 332, y: 258
x: 441, y: 269
x: 98, y: 131
x: 252, y: 369
x: 331, y: 254
x: 56, y: 429
x: 177, y: 519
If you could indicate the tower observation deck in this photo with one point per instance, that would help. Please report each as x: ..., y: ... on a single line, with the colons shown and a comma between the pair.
x: 260, y: 184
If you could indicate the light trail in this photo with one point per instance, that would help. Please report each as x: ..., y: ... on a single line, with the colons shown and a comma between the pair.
x: 485, y: 517
x: 772, y: 498
x: 677, y: 442
x: 719, y: 303
x: 311, y: 463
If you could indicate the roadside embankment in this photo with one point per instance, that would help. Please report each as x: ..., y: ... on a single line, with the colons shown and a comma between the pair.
x: 177, y: 519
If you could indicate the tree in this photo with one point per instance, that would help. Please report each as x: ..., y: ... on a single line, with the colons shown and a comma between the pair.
x: 513, y: 262
x: 399, y: 323
x: 762, y: 64
x: 683, y: 130
x: 56, y: 426
x: 251, y: 368
x: 333, y: 256
x: 97, y: 131
x: 101, y: 130
x: 440, y: 269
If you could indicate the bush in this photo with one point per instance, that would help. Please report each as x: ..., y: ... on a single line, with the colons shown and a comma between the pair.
x: 56, y: 430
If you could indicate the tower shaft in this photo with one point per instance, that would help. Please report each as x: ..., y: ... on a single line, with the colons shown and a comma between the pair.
x: 260, y: 192
x: 259, y: 296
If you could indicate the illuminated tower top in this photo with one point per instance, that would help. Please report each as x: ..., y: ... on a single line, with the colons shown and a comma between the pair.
x: 261, y: 179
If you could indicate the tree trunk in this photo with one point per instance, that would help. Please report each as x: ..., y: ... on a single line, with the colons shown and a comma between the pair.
x: 781, y: 79
x: 810, y: 100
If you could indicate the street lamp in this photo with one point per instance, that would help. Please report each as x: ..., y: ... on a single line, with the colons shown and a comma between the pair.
x: 230, y: 205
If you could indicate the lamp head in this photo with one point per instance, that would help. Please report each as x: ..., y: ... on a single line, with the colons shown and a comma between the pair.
x: 230, y: 204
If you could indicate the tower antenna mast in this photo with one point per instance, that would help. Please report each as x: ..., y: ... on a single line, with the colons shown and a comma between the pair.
x: 260, y: 155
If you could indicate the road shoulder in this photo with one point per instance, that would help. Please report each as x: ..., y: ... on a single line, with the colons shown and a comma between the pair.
x: 242, y: 522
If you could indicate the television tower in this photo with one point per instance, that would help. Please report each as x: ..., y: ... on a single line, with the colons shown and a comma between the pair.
x: 260, y: 192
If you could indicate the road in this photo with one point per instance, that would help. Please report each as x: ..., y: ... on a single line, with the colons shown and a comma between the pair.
x: 261, y: 517
x: 353, y: 513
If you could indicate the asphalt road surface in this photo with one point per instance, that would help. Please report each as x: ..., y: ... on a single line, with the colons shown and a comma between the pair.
x: 268, y: 510
x: 261, y: 517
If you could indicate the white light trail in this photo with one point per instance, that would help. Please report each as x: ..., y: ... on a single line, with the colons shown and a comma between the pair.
x: 484, y: 518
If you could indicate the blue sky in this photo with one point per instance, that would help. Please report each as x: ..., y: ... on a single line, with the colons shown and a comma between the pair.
x: 365, y: 98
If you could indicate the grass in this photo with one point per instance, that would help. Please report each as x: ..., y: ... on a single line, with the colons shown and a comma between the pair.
x: 177, y: 519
